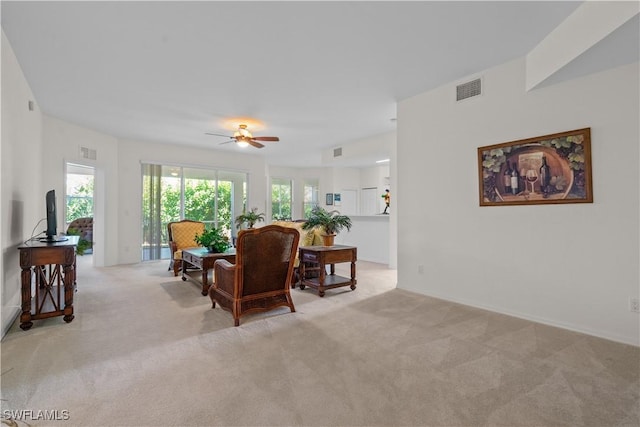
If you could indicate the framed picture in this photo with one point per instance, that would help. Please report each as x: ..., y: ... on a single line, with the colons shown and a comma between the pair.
x: 548, y: 169
x: 337, y: 199
x: 329, y: 198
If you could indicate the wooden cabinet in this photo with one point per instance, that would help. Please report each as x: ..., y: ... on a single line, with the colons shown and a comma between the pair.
x: 319, y: 257
x: 48, y: 280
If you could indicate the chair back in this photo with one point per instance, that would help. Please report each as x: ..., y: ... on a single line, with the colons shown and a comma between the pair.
x: 84, y: 226
x: 265, y: 258
x: 183, y: 233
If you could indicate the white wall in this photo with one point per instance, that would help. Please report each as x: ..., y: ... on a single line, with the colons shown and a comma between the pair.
x: 362, y: 151
x: 371, y: 235
x: 23, y: 198
x: 62, y: 142
x: 570, y: 265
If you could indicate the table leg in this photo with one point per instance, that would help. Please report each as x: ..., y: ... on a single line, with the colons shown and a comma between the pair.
x: 353, y: 275
x: 205, y: 281
x: 302, y: 273
x: 183, y: 267
x: 25, y: 317
x: 69, y: 280
x: 323, y: 274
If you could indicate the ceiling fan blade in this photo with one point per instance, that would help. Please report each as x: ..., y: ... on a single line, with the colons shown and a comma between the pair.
x: 255, y: 144
x: 266, y: 138
x: 226, y: 142
x: 217, y: 134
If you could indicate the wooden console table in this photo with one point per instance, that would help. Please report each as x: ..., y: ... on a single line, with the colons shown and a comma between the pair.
x: 48, y: 269
x: 323, y: 255
x: 202, y: 259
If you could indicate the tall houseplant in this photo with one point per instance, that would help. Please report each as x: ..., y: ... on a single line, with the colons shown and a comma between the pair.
x: 331, y: 222
x: 250, y: 218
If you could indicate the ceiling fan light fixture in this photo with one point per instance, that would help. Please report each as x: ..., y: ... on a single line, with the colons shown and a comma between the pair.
x: 244, y: 138
x: 242, y: 141
x: 242, y: 132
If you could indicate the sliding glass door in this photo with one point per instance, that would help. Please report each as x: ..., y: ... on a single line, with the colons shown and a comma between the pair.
x: 173, y: 193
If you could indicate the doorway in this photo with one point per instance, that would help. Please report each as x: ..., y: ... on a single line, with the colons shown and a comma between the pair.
x: 79, y: 204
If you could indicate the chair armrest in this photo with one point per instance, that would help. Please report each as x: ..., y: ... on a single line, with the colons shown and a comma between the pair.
x: 173, y: 247
x: 224, y: 274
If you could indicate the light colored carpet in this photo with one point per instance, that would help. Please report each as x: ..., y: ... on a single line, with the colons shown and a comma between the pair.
x: 146, y: 349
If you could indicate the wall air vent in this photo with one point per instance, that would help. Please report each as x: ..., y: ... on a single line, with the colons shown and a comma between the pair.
x: 468, y: 90
x: 88, y: 153
x: 337, y: 152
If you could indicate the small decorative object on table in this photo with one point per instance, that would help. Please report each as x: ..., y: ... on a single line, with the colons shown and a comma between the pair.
x: 213, y: 239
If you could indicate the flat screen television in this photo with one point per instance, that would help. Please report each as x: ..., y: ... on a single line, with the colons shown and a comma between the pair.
x: 52, y: 219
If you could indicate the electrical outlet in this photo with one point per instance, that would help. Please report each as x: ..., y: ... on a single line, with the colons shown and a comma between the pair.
x: 634, y: 304
x: 420, y: 269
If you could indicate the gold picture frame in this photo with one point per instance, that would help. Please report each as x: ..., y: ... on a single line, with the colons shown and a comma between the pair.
x: 548, y: 169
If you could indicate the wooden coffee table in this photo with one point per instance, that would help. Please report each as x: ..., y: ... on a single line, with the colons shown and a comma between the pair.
x: 203, y: 260
x: 321, y: 256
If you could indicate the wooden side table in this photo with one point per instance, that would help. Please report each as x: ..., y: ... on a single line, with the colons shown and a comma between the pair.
x: 48, y: 269
x: 323, y: 255
x: 202, y: 259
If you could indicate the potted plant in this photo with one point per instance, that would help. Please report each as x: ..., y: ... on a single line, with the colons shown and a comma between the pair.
x: 331, y: 222
x: 213, y: 240
x: 250, y: 218
x: 83, y: 244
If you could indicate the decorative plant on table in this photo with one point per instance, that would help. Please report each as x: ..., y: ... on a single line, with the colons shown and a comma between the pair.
x: 331, y: 222
x: 213, y: 239
x: 83, y: 244
x: 250, y: 218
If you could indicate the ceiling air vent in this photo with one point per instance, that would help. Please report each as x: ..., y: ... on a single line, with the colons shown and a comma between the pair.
x: 88, y: 153
x: 468, y: 90
x: 337, y: 152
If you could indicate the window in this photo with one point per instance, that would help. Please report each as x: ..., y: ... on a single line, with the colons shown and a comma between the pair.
x: 173, y: 193
x: 310, y: 197
x: 79, y: 192
x: 280, y: 199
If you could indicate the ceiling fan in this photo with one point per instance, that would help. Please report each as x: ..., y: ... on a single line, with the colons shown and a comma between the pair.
x: 243, y: 138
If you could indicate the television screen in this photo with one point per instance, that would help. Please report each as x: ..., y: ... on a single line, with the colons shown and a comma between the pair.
x: 52, y: 218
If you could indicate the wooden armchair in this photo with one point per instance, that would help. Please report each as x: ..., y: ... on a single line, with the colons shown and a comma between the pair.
x: 181, y: 235
x: 261, y: 278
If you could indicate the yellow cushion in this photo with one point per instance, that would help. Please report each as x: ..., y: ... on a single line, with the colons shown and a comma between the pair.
x: 177, y: 254
x: 311, y: 237
x: 308, y: 238
x: 184, y: 233
x: 317, y: 237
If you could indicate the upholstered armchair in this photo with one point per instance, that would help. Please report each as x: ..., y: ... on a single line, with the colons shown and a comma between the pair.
x: 261, y: 277
x: 83, y: 226
x: 181, y: 235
